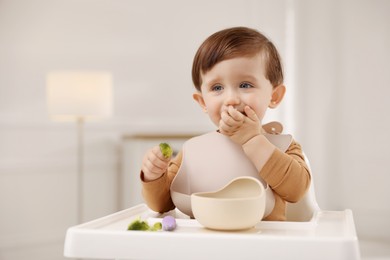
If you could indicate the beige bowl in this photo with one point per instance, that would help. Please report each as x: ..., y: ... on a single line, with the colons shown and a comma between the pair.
x: 239, y: 205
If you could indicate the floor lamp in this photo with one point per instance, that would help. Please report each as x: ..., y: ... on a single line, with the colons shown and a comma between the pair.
x: 79, y: 96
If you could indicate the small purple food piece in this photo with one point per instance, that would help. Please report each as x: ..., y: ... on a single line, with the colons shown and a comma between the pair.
x: 168, y: 223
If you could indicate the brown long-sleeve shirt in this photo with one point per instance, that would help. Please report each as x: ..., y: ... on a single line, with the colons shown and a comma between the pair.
x: 285, y: 172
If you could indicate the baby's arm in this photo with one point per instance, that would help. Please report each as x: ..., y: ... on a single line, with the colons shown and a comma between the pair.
x: 287, y: 173
x: 259, y: 150
x: 156, y: 192
x: 245, y: 130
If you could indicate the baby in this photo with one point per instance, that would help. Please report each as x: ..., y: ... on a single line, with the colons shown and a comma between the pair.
x: 238, y: 75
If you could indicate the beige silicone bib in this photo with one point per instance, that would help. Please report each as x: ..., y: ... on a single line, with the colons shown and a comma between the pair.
x: 212, y: 160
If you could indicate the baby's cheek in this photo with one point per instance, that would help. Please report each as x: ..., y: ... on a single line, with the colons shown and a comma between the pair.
x: 215, y: 119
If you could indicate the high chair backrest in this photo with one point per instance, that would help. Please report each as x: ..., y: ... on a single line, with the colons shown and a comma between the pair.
x: 304, y: 209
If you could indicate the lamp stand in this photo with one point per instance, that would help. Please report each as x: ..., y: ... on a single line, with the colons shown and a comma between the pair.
x: 80, y: 169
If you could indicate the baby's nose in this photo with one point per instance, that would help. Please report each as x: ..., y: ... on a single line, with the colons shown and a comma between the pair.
x: 232, y: 99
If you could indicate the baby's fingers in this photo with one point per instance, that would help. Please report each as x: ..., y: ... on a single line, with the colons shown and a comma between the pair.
x: 232, y: 117
x: 250, y: 113
x: 157, y: 156
x: 154, y: 160
x: 235, y: 114
x: 154, y: 164
x: 153, y: 168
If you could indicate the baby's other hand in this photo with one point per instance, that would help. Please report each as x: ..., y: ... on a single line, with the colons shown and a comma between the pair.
x: 154, y: 164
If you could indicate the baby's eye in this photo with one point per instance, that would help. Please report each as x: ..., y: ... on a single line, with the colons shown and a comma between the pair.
x: 216, y: 88
x: 245, y: 85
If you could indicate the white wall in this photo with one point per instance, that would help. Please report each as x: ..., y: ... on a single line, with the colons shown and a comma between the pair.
x: 342, y: 90
x: 148, y: 46
x: 336, y: 60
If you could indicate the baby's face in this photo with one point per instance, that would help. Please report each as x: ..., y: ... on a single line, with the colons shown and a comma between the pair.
x: 236, y: 82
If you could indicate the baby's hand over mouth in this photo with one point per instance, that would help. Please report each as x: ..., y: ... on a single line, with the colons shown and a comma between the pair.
x: 239, y: 126
x: 231, y: 120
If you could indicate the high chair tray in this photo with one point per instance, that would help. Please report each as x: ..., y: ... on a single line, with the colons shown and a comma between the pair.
x: 329, y: 235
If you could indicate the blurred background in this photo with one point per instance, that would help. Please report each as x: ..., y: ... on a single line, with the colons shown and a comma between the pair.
x: 335, y: 53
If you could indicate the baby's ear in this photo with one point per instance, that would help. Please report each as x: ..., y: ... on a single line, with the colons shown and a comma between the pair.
x: 277, y: 96
x: 197, y: 96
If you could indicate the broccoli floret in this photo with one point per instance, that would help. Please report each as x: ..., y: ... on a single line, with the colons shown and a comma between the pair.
x: 157, y: 226
x: 141, y: 225
x: 166, y: 150
x: 138, y: 224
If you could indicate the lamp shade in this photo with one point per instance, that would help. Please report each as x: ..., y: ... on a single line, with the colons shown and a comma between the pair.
x: 79, y: 94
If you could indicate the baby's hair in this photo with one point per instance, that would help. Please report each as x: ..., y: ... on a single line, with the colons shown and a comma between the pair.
x: 232, y: 43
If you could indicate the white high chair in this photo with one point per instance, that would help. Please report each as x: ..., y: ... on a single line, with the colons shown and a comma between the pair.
x: 320, y: 235
x: 304, y: 209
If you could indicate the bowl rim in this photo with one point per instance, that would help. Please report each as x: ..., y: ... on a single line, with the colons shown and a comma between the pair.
x: 201, y: 196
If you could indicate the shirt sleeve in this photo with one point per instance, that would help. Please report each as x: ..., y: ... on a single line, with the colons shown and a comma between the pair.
x: 156, y: 193
x: 287, y: 173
